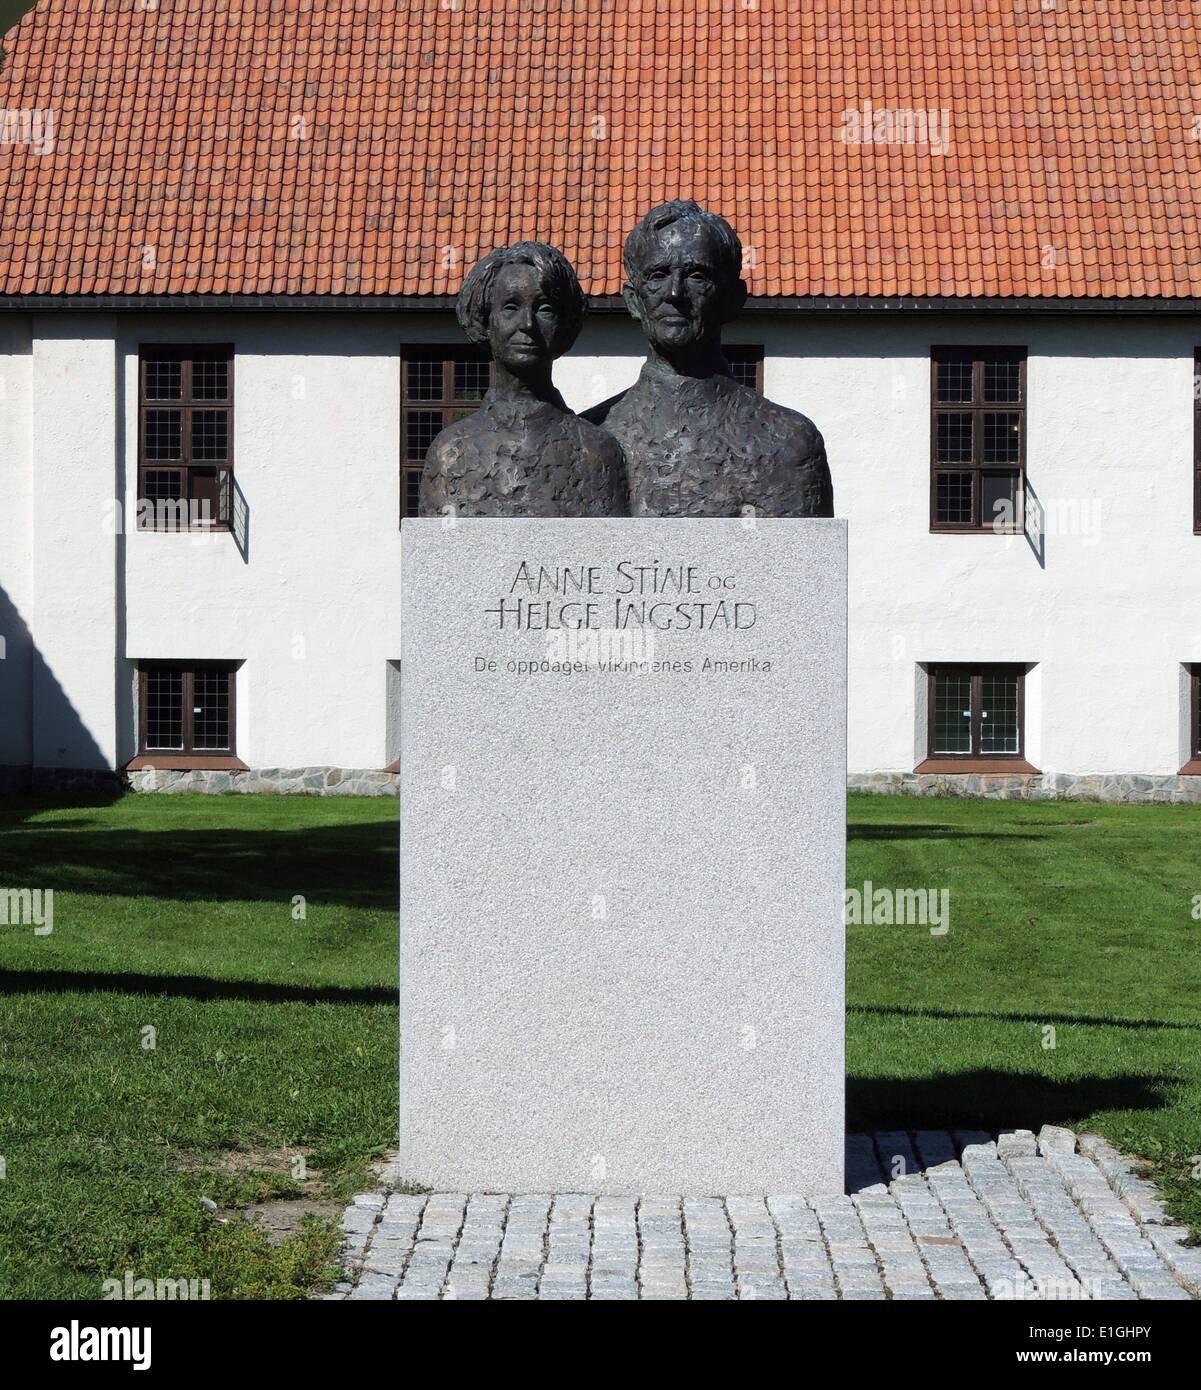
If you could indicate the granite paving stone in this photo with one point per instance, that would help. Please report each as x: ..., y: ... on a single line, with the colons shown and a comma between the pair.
x: 963, y: 1215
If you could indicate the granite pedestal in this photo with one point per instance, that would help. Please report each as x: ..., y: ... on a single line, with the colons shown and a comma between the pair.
x: 622, y: 801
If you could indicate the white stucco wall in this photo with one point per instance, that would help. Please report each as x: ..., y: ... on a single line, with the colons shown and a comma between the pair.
x: 314, y: 611
x: 1115, y: 612
x: 75, y: 624
x: 16, y: 544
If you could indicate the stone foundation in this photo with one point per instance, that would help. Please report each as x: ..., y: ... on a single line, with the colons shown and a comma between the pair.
x: 1063, y: 786
x: 282, y: 781
x: 345, y: 781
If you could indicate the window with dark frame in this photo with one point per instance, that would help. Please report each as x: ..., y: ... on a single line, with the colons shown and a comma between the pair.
x: 185, y: 437
x: 438, y: 385
x: 186, y: 708
x: 976, y: 711
x: 746, y: 363
x: 977, y: 438
x: 1195, y: 706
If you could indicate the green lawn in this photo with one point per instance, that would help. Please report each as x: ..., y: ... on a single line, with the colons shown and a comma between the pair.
x: 274, y: 1037
x: 275, y: 1033
x: 1064, y: 916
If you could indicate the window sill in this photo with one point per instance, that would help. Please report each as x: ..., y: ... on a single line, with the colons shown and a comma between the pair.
x: 1013, y: 767
x: 393, y: 766
x: 216, y: 529
x: 186, y: 762
x: 990, y: 530
x: 1191, y: 769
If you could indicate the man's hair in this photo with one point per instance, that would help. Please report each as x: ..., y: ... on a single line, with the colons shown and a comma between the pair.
x: 683, y: 210
x: 559, y: 281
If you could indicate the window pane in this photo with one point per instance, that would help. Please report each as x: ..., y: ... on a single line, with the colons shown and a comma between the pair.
x: 412, y: 491
x: 955, y: 379
x: 999, y: 713
x: 163, y: 434
x: 744, y: 365
x: 952, y: 714
x: 164, y: 709
x: 954, y: 437
x: 1002, y: 437
x: 423, y: 379
x: 210, y: 379
x: 1002, y: 383
x: 210, y: 712
x: 999, y: 499
x: 163, y: 488
x: 211, y: 488
x: 421, y: 427
x: 210, y: 434
x: 472, y: 378
x: 1197, y: 712
x: 164, y: 379
x: 953, y: 498
x: 163, y: 484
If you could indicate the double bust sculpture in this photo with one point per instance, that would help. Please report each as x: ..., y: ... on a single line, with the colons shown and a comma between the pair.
x: 685, y: 440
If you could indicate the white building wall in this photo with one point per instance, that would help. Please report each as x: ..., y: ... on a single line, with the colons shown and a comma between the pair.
x: 313, y: 609
x: 1115, y: 612
x: 76, y: 623
x: 16, y: 545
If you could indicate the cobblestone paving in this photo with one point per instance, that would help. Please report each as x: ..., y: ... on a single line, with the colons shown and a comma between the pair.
x: 930, y: 1215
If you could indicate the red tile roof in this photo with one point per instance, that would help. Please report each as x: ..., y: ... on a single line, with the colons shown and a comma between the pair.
x: 378, y: 147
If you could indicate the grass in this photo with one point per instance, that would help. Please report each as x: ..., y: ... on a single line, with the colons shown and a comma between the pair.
x: 274, y: 1035
x: 275, y: 1028
x: 1067, y: 917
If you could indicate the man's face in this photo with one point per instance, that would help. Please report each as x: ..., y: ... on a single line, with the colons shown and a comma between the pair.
x: 526, y: 328
x: 680, y: 289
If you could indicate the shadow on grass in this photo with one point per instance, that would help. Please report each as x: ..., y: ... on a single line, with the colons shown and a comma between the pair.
x: 188, y: 987
x: 995, y: 1100
x: 347, y: 865
x: 18, y: 807
x: 1036, y: 1018
x: 870, y: 830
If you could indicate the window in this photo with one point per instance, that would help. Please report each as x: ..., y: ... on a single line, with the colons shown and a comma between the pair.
x: 1195, y: 719
x: 747, y: 365
x: 976, y: 712
x: 977, y: 438
x: 186, y: 708
x: 1197, y: 441
x: 185, y: 437
x: 438, y: 385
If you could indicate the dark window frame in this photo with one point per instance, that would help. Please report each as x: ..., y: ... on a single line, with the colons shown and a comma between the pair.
x: 188, y: 670
x: 977, y: 408
x: 451, y: 409
x: 748, y: 353
x: 1195, y: 713
x: 977, y: 673
x: 187, y: 354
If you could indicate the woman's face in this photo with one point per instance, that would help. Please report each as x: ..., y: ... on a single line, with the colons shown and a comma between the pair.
x: 527, y: 330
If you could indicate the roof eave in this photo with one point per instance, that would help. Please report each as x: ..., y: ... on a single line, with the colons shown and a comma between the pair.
x: 758, y: 304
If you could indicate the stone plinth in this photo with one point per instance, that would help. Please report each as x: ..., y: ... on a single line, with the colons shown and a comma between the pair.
x: 622, y: 855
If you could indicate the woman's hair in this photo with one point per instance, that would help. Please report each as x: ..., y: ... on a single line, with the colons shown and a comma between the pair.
x: 559, y: 281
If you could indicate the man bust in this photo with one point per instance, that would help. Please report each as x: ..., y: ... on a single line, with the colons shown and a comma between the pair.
x: 696, y: 442
x: 523, y: 453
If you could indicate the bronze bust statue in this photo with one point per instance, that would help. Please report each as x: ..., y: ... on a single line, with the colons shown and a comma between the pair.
x: 696, y: 442
x: 523, y: 453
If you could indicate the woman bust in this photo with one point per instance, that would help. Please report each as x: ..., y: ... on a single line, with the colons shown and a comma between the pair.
x: 523, y: 453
